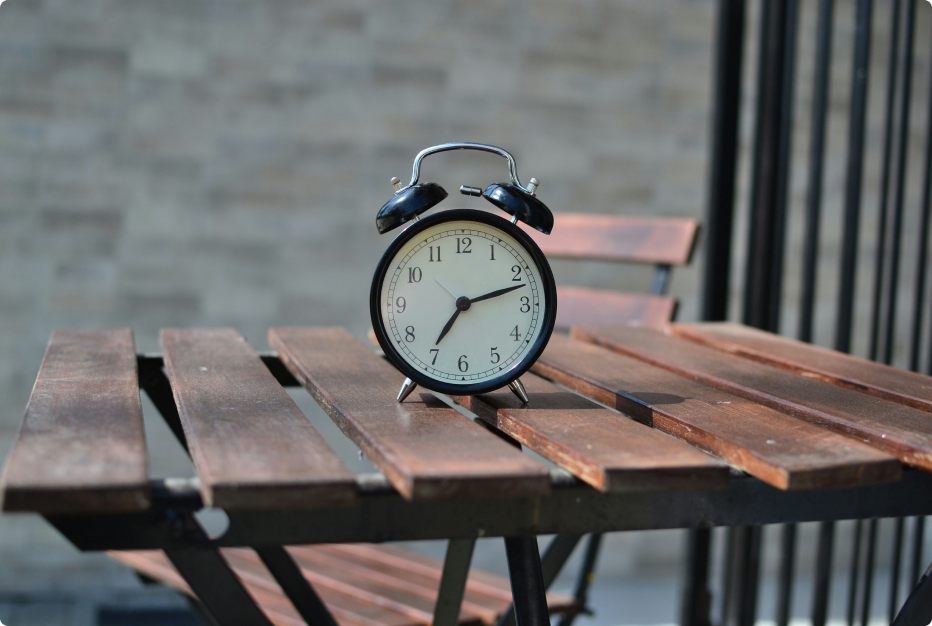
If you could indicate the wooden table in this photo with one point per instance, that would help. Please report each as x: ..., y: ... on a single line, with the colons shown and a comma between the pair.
x: 731, y: 426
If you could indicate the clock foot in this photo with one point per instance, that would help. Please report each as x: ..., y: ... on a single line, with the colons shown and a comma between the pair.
x: 518, y: 389
x: 406, y: 388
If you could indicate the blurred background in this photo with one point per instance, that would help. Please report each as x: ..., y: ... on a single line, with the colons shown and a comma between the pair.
x: 220, y: 163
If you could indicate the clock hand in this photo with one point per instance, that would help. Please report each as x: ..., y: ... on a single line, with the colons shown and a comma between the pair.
x: 495, y: 294
x: 445, y: 287
x: 462, y: 304
x: 446, y: 329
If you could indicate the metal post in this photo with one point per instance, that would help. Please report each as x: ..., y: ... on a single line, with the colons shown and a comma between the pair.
x: 855, y: 168
x: 770, y: 172
x: 724, y: 158
x: 785, y: 582
x: 527, y: 583
x: 745, y: 570
x: 453, y: 582
x: 289, y: 577
x: 584, y: 579
x: 552, y: 562
x: 823, y: 573
x: 696, y: 597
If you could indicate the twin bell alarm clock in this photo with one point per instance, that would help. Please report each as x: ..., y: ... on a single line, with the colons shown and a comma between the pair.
x: 463, y: 301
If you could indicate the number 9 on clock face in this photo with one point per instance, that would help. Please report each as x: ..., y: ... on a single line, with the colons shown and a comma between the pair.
x: 463, y: 302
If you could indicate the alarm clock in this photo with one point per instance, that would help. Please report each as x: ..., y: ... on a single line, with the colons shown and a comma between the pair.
x: 463, y: 302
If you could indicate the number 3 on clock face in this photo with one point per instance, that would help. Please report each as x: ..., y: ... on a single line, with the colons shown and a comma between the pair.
x: 463, y: 302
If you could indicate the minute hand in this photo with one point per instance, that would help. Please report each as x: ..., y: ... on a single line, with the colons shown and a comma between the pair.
x: 495, y: 294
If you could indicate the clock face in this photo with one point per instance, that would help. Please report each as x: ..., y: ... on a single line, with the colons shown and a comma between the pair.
x: 464, y: 303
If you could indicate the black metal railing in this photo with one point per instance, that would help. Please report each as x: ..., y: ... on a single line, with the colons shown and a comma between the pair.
x: 892, y: 307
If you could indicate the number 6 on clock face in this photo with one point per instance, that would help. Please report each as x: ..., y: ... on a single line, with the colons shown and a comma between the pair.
x: 463, y: 302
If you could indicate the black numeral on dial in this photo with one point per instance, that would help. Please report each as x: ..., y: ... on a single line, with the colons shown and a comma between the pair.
x: 517, y: 270
x: 435, y: 351
x: 432, y: 254
x: 466, y: 242
x: 525, y: 304
x: 495, y: 355
x: 409, y: 333
x: 515, y: 333
x: 462, y: 364
x: 414, y: 274
x: 492, y: 246
x: 400, y: 304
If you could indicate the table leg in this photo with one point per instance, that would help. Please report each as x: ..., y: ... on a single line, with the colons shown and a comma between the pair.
x: 217, y: 587
x: 551, y: 563
x: 527, y: 582
x: 289, y: 577
x: 453, y: 582
x: 917, y: 610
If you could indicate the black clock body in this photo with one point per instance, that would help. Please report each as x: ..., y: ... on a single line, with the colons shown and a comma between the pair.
x: 456, y: 380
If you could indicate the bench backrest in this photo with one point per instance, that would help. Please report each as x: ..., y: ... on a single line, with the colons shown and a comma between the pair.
x: 662, y: 242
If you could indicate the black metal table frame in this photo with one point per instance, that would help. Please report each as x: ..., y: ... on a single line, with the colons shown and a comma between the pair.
x: 381, y: 514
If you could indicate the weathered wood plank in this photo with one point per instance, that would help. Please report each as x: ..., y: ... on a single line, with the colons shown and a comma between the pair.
x: 426, y: 449
x: 663, y: 241
x: 900, y: 430
x: 597, y: 445
x: 81, y: 446
x: 783, y: 451
x: 252, y: 446
x: 876, y: 379
x: 598, y: 306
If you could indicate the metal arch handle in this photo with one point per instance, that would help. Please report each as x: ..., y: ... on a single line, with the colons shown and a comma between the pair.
x: 446, y: 147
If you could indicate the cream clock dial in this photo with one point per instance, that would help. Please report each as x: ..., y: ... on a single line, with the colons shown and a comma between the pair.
x: 465, y: 302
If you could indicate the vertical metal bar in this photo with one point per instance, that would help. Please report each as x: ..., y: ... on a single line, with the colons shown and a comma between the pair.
x: 855, y: 166
x: 289, y: 577
x: 899, y: 190
x: 696, y: 597
x: 551, y: 563
x: 853, y: 579
x: 585, y: 578
x: 895, y: 562
x: 823, y: 573
x: 527, y: 583
x: 820, y: 86
x: 452, y: 582
x: 769, y: 171
x: 785, y: 582
x: 926, y: 209
x: 880, y: 260
x: 661, y: 280
x: 745, y: 570
x: 869, y: 553
x: 918, y: 544
x: 724, y: 158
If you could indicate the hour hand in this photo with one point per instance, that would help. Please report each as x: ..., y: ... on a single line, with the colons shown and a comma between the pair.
x: 446, y: 329
x: 495, y: 294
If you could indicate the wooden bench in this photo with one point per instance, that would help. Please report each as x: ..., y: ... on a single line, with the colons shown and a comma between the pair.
x: 662, y: 242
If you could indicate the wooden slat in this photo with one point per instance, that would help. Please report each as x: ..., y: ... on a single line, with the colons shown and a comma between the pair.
x: 783, y: 451
x: 578, y: 305
x: 664, y: 241
x: 252, y: 446
x: 900, y: 430
x: 81, y: 446
x: 347, y: 611
x: 426, y: 449
x: 876, y: 379
x: 486, y: 595
x: 598, y: 445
